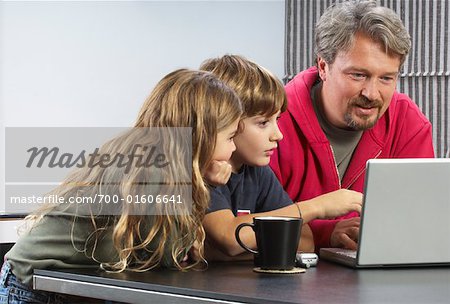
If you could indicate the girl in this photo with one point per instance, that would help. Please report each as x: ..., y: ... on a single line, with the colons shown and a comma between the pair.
x: 135, y: 235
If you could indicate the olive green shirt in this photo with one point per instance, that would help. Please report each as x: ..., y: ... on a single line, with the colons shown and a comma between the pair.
x: 61, y: 240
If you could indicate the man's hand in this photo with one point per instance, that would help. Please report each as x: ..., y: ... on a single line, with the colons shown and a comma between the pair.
x: 346, y: 233
x: 218, y: 173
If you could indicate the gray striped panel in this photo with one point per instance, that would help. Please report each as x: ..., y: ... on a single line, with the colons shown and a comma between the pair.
x: 425, y: 74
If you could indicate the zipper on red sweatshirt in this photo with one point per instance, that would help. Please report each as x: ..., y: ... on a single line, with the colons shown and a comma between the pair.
x: 362, y: 171
x: 335, y: 166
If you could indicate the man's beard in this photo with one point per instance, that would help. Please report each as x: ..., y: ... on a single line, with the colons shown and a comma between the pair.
x: 368, y: 121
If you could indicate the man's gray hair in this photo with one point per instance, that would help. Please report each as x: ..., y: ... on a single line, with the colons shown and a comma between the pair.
x: 335, y: 31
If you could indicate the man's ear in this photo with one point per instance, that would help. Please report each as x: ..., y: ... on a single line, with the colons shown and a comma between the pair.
x: 323, y: 68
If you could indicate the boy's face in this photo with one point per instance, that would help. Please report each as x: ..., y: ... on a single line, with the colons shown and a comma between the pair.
x: 255, y: 144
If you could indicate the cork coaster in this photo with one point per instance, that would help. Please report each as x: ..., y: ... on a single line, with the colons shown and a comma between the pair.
x: 293, y: 270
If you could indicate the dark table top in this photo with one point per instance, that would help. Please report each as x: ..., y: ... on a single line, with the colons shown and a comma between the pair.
x: 4, y: 215
x: 236, y: 282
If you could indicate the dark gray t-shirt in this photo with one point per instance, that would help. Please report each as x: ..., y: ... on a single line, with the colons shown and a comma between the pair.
x: 343, y: 142
x: 252, y: 190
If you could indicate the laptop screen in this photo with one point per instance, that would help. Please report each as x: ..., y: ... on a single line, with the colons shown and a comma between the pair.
x: 406, y: 212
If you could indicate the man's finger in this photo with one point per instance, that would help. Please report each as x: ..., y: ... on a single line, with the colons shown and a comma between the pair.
x: 348, y: 243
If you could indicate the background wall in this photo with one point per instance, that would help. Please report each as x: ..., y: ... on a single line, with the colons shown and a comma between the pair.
x: 93, y: 63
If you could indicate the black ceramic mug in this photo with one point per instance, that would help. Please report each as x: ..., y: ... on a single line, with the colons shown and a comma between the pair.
x: 277, y: 239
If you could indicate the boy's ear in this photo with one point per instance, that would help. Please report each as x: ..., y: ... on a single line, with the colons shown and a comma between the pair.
x: 241, y: 127
x: 322, y: 66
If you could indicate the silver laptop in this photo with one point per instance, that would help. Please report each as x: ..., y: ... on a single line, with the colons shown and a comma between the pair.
x: 405, y: 219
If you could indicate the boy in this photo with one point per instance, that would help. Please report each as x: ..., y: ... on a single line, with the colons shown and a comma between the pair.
x: 253, y: 189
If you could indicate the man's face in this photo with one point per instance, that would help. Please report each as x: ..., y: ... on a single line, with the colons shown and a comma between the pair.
x: 358, y: 87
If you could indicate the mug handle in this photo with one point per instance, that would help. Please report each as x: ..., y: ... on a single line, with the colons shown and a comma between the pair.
x: 236, y: 234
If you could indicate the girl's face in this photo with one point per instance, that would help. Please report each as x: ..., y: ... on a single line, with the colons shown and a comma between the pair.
x: 225, y: 142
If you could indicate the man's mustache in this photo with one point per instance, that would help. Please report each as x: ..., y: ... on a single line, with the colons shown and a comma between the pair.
x: 365, y: 102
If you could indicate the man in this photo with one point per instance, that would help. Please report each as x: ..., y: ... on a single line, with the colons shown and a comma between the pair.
x: 346, y: 110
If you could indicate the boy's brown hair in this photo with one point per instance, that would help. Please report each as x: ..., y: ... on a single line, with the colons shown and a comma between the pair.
x: 260, y: 91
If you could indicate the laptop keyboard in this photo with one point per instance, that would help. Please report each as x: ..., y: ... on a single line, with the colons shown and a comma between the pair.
x: 347, y: 252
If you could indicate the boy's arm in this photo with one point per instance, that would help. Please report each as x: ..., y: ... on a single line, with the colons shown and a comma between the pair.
x: 212, y: 253
x: 306, y: 240
x: 220, y: 227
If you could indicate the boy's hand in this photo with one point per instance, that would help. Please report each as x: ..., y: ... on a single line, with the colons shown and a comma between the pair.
x: 339, y: 202
x: 218, y: 173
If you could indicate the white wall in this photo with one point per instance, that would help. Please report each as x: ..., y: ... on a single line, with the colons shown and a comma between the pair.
x: 93, y: 63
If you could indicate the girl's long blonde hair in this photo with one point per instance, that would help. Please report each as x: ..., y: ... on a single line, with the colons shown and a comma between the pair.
x: 146, y: 236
